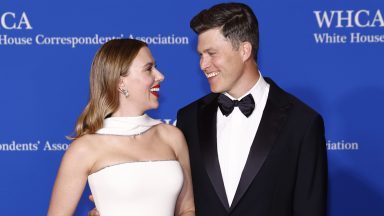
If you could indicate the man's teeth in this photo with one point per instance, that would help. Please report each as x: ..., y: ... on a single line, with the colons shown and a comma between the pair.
x: 209, y: 75
x: 155, y: 89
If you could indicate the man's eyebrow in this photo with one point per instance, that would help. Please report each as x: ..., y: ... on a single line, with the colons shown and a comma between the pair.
x: 206, y: 50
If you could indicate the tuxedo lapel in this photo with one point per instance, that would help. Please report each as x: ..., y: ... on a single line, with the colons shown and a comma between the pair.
x: 273, y: 118
x: 208, y: 145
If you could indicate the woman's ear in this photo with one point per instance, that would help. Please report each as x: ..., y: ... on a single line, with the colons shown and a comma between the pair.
x: 121, y: 87
x: 121, y: 82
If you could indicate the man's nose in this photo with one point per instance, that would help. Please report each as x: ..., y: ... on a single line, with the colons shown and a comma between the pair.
x: 204, y: 63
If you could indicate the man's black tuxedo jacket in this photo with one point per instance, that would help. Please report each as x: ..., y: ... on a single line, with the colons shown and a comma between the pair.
x: 286, y: 170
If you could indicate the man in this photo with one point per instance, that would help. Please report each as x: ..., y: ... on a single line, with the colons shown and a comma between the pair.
x: 254, y: 149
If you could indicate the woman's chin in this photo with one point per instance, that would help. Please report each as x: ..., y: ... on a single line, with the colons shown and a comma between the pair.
x: 155, y: 105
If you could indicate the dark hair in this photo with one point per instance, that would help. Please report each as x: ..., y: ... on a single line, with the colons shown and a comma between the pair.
x: 237, y: 21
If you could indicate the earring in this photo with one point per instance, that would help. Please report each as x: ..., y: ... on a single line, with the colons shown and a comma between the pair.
x: 124, y: 92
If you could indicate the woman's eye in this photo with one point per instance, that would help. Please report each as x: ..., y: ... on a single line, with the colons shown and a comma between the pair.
x: 150, y: 68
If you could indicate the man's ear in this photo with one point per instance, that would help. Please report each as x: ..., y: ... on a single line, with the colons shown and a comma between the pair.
x: 246, y: 50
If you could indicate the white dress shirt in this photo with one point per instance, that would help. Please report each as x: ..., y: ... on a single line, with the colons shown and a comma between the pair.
x: 235, y: 134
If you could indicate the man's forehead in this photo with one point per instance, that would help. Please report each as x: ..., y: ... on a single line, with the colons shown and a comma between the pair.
x: 211, y: 43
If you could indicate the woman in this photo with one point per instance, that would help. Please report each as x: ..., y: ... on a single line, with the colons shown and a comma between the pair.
x: 135, y: 165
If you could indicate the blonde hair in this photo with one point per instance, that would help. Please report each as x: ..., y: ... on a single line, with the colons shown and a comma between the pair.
x: 111, y: 61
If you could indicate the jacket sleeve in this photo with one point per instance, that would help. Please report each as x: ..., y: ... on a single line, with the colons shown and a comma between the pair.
x: 179, y: 121
x: 310, y: 197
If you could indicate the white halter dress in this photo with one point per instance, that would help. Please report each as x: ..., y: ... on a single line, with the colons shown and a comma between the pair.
x: 135, y: 188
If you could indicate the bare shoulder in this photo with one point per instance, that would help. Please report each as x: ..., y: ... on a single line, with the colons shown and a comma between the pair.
x: 169, y: 132
x: 85, y: 145
x: 174, y: 137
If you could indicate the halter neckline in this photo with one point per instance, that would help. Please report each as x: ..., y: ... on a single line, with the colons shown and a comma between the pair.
x: 127, y: 125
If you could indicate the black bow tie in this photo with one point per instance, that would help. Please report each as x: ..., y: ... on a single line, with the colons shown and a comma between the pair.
x: 246, y: 105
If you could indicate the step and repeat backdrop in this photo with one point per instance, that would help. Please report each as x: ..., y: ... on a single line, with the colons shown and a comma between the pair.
x: 328, y: 53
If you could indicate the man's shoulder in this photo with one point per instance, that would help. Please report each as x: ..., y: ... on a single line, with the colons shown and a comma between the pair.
x: 284, y: 97
x: 302, y: 108
x: 199, y: 102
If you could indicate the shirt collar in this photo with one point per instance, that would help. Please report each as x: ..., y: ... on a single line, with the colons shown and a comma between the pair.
x: 256, y: 91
